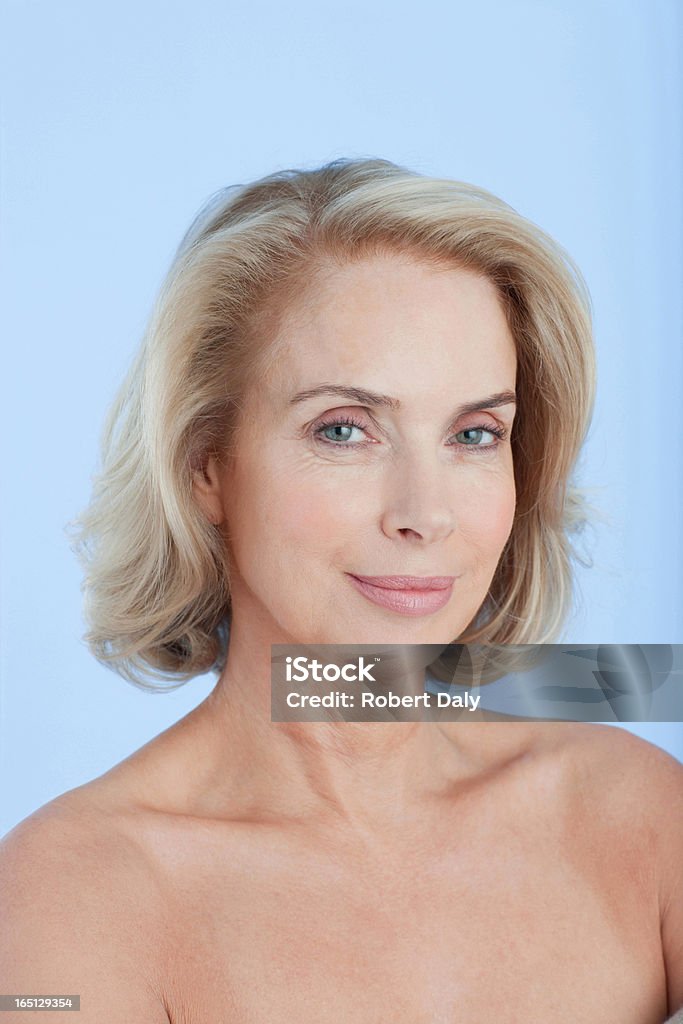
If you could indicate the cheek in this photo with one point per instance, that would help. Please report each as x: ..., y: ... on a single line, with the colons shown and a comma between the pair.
x: 503, y: 517
x: 487, y: 516
x: 292, y: 516
x: 325, y: 516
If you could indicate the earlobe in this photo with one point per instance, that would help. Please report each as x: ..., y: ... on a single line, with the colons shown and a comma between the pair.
x: 207, y: 491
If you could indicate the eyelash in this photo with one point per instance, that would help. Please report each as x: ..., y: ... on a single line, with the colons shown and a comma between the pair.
x: 349, y: 421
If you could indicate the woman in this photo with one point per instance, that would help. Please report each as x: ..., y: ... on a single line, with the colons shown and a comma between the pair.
x: 358, y: 386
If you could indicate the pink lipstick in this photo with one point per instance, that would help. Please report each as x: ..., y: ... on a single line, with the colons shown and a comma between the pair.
x: 408, y: 595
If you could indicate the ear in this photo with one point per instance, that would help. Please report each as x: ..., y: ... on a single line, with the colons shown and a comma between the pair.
x: 207, y: 476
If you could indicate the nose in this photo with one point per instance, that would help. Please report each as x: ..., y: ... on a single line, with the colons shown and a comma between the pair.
x: 419, y: 505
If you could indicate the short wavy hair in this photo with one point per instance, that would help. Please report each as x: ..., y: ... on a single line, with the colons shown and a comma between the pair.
x: 156, y: 585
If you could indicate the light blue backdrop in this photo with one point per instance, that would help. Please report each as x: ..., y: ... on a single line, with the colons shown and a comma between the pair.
x: 119, y: 120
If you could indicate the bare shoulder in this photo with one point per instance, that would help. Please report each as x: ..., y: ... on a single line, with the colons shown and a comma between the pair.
x: 634, y: 789
x: 626, y: 758
x: 618, y: 774
x: 641, y: 776
x: 82, y: 834
x: 80, y: 909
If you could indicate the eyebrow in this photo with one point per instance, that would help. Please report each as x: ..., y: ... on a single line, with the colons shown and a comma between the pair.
x: 373, y: 398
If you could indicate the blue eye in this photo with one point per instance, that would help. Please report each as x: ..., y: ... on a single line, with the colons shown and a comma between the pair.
x: 480, y: 430
x: 338, y: 432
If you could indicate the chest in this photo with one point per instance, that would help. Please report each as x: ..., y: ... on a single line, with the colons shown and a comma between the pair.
x: 520, y: 930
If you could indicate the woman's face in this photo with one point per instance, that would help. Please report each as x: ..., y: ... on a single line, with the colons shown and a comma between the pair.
x: 359, y: 457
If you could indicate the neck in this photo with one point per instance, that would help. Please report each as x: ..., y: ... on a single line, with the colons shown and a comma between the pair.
x: 371, y: 775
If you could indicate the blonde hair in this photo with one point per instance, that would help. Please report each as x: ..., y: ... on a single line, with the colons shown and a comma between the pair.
x: 157, y: 589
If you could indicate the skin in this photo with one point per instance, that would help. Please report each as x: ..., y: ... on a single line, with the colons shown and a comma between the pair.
x: 255, y: 871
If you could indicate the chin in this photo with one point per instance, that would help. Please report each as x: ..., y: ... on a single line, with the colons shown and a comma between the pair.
x: 408, y: 632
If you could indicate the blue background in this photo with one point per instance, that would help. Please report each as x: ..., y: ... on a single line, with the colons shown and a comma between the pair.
x: 119, y: 120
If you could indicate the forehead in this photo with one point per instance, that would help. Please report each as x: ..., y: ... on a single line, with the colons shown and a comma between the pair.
x: 400, y: 323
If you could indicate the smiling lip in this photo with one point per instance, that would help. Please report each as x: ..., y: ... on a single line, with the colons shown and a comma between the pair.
x: 408, y: 595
